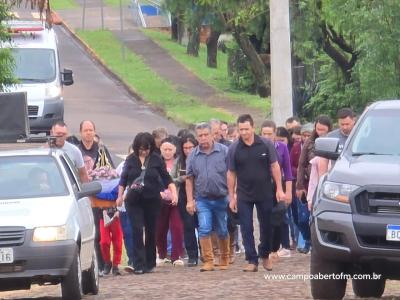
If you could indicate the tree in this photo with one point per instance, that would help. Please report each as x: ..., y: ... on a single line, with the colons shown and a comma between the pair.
x: 212, y: 46
x: 177, y: 8
x: 352, y: 47
x: 6, y: 58
x: 195, y: 17
x: 243, y: 19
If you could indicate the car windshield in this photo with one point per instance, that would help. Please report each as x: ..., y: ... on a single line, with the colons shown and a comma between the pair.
x: 30, y: 177
x: 377, y: 135
x: 34, y: 65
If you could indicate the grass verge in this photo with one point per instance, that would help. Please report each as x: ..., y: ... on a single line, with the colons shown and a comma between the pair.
x: 63, y: 4
x: 217, y: 78
x: 115, y: 3
x: 148, y: 84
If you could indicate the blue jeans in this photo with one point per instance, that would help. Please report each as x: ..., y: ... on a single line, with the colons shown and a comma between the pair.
x: 245, y: 210
x: 212, y: 216
x: 127, y: 231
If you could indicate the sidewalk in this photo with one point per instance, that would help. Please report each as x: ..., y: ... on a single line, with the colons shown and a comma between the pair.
x: 154, y: 56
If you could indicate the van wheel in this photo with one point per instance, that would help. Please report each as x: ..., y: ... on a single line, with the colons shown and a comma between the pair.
x: 326, y: 288
x: 366, y: 288
x: 71, y: 286
x: 90, y: 278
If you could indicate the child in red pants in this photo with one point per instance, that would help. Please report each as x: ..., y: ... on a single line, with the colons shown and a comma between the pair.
x: 111, y: 232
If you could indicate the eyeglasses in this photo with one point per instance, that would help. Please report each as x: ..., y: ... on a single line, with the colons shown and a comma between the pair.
x: 188, y: 147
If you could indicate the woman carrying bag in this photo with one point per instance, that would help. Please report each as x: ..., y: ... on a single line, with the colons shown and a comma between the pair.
x: 143, y: 200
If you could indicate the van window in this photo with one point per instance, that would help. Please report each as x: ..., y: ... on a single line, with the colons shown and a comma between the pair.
x: 30, y: 177
x: 377, y: 134
x: 34, y: 65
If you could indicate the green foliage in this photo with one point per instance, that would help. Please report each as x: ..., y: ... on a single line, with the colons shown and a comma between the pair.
x: 116, y: 3
x: 148, y: 84
x: 63, y: 4
x: 372, y: 29
x: 240, y: 75
x: 6, y: 59
x: 218, y: 78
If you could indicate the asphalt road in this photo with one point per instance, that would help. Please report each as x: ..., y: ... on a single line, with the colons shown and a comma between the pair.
x: 96, y: 96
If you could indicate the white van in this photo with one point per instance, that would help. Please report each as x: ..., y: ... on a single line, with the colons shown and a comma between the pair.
x: 37, y: 67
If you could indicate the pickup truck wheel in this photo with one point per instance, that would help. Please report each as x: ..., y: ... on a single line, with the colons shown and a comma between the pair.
x: 366, y: 288
x: 326, y: 288
x: 71, y: 285
x: 90, y: 278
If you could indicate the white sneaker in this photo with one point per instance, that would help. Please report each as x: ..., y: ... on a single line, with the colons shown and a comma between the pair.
x: 178, y: 263
x: 167, y: 261
x: 284, y: 253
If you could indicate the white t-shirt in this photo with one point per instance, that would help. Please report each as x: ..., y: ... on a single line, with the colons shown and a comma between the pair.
x: 74, y: 154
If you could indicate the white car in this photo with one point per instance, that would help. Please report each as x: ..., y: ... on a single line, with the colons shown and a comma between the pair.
x: 46, y: 223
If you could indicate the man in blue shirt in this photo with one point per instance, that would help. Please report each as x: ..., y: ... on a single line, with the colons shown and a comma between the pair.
x: 206, y: 189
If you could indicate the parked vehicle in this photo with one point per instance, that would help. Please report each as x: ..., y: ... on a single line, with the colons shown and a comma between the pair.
x: 37, y: 67
x: 355, y: 224
x: 46, y: 226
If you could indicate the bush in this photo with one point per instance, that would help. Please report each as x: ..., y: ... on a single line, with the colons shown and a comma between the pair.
x: 239, y: 72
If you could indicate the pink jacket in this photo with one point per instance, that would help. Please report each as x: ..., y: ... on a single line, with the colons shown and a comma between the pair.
x: 314, y: 178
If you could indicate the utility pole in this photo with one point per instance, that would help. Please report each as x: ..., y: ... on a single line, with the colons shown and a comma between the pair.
x: 281, y: 61
x: 83, y: 14
x: 121, y: 19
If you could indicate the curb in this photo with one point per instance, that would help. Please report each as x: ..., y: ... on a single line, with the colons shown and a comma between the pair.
x: 114, y: 76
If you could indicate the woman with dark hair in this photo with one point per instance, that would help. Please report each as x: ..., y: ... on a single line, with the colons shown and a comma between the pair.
x: 143, y: 206
x: 280, y: 233
x: 322, y: 126
x: 188, y: 143
x: 282, y: 135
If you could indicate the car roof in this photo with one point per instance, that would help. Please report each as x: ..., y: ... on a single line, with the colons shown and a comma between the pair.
x: 31, y: 34
x: 27, y: 150
x: 386, y: 104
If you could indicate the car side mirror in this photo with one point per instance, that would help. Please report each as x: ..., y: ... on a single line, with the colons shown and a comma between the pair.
x: 327, y: 147
x: 89, y: 189
x: 67, y: 77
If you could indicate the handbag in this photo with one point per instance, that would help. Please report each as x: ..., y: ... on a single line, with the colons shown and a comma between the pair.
x: 278, y: 213
x: 136, y: 188
x: 303, y: 214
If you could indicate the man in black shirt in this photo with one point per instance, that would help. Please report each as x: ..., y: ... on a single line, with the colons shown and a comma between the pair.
x: 89, y: 147
x: 90, y: 152
x: 252, y: 164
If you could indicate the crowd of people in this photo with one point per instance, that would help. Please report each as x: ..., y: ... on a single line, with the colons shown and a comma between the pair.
x: 192, y: 195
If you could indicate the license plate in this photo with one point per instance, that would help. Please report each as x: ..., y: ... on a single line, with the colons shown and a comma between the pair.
x: 6, y: 255
x: 393, y: 232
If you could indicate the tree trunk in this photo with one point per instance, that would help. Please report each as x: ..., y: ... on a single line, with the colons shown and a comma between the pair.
x: 212, y: 48
x: 194, y: 41
x: 181, y: 27
x: 256, y: 64
x: 174, y: 28
x: 194, y: 29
